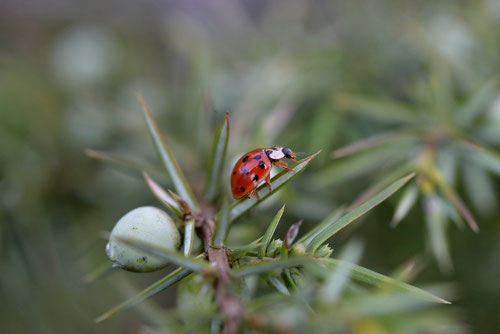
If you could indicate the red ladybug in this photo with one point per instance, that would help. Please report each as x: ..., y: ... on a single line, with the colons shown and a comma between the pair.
x: 255, y: 167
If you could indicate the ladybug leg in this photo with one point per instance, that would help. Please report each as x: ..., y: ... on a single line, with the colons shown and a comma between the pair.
x: 257, y: 194
x: 254, y: 192
x: 268, y: 181
x: 282, y: 164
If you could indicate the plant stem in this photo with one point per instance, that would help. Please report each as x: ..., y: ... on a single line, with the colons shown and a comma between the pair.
x: 230, y: 306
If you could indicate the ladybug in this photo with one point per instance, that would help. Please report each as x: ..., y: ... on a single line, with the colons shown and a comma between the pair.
x: 255, y: 167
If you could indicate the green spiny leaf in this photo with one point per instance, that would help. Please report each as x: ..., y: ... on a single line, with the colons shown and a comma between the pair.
x: 289, y: 282
x: 173, y: 257
x: 366, y: 143
x: 331, y: 229
x: 276, y: 283
x: 477, y: 102
x: 480, y: 188
x: 362, y: 163
x: 119, y: 160
x: 217, y: 158
x: 436, y: 225
x: 188, y: 237
x: 453, y: 197
x: 241, y: 251
x: 172, y: 278
x: 268, y: 266
x: 163, y: 196
x: 97, y: 273
x: 172, y: 167
x: 332, y: 218
x: 483, y: 157
x: 383, y: 110
x: 339, y: 276
x: 371, y: 277
x: 406, y: 202
x: 221, y: 224
x: 270, y: 231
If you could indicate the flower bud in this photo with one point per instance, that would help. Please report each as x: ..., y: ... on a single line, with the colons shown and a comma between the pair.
x: 297, y: 276
x: 298, y: 250
x: 274, y: 248
x: 323, y: 251
x: 145, y: 224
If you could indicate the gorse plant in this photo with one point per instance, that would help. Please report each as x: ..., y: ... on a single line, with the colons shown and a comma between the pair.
x: 440, y: 130
x: 271, y: 284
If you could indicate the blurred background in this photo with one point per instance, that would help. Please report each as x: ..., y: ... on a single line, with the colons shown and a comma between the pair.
x: 309, y: 75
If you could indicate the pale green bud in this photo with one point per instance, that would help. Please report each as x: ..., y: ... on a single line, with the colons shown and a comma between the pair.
x: 274, y: 248
x: 148, y: 225
x: 323, y: 251
x: 298, y: 250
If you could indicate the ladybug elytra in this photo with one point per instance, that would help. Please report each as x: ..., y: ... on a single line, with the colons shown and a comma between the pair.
x: 255, y: 167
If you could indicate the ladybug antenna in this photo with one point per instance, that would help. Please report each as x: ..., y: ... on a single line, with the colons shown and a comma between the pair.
x: 299, y: 154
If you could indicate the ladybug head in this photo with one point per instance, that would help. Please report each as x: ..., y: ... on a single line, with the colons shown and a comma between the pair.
x: 288, y: 154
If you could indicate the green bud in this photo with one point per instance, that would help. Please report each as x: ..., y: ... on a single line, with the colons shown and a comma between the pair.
x: 323, y: 251
x: 298, y: 250
x: 297, y: 276
x: 146, y: 224
x: 274, y: 248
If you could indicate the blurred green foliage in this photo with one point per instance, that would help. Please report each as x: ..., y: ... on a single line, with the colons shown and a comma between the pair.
x: 308, y: 75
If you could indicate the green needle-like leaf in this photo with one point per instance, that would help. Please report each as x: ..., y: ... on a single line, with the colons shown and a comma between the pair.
x: 173, y: 257
x: 436, y: 225
x: 276, y: 283
x: 221, y: 225
x: 188, y: 237
x: 354, y: 166
x: 330, y: 219
x: 169, y: 280
x: 268, y: 266
x: 383, y: 110
x: 339, y: 276
x: 406, y: 202
x: 460, y: 206
x: 122, y: 161
x: 172, y: 167
x: 371, y: 277
x: 163, y: 196
x: 278, y: 181
x: 241, y: 251
x: 388, y: 178
x: 366, y: 143
x: 99, y: 272
x: 270, y: 231
x: 480, y: 188
x: 454, y: 199
x: 217, y: 158
x: 483, y: 157
x: 331, y: 229
x: 477, y: 102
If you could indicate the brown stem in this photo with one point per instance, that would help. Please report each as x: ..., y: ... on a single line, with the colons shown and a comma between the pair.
x: 230, y: 306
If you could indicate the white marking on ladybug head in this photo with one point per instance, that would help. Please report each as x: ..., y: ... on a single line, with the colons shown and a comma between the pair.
x: 275, y: 153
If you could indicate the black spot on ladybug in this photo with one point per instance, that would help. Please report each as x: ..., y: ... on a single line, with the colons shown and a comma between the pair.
x: 244, y: 171
x: 234, y: 173
x: 255, y: 178
x: 242, y: 188
x: 245, y: 159
x: 262, y: 164
x: 257, y: 157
